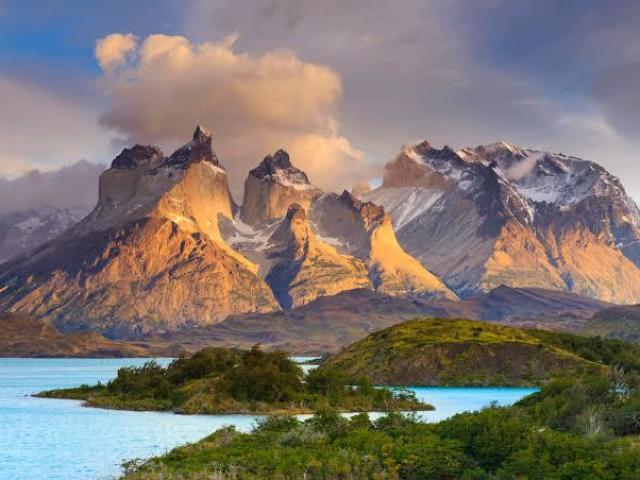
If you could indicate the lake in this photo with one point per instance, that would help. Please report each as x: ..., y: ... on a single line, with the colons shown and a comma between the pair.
x: 48, y: 439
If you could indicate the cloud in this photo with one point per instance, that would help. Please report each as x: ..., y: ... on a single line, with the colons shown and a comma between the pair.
x: 618, y: 92
x: 45, y: 129
x: 457, y: 72
x: 254, y: 104
x: 524, y: 167
x: 75, y: 186
x: 114, y: 50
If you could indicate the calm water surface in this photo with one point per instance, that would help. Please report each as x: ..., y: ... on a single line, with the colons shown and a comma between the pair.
x: 47, y: 439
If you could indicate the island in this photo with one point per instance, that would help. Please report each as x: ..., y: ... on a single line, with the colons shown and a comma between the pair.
x: 219, y: 380
x: 457, y: 352
x: 584, y: 422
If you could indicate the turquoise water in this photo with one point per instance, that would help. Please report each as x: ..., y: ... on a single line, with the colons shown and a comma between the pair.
x: 47, y: 439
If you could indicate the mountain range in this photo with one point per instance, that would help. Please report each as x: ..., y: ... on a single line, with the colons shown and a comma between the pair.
x: 499, y: 214
x: 166, y: 247
x: 38, y: 206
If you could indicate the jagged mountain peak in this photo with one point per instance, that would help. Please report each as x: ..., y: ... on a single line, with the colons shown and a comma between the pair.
x: 138, y: 155
x: 422, y: 147
x: 370, y: 213
x: 199, y: 149
x: 149, y: 256
x: 500, y: 146
x: 500, y: 213
x: 201, y: 134
x: 277, y: 168
x: 272, y: 186
x: 189, y: 188
x: 363, y: 229
x: 295, y: 213
x: 426, y: 153
x: 272, y: 163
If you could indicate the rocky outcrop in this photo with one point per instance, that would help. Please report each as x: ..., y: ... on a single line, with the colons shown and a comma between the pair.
x: 343, y: 235
x: 304, y: 267
x: 364, y: 230
x: 272, y: 186
x: 148, y: 257
x: 499, y: 214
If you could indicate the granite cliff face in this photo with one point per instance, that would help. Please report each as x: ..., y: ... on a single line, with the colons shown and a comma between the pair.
x: 343, y: 245
x: 364, y: 230
x: 148, y: 257
x: 166, y: 247
x: 499, y: 214
x: 272, y: 186
x: 304, y: 267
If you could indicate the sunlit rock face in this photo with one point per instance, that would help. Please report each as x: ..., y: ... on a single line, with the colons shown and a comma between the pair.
x: 500, y: 214
x: 343, y: 244
x: 148, y: 257
x: 272, y: 186
x: 166, y: 247
x: 364, y: 230
x: 304, y: 267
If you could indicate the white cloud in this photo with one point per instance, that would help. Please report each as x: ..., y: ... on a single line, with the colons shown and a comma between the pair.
x: 253, y: 103
x: 114, y: 50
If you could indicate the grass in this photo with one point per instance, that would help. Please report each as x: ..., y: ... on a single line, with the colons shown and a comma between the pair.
x: 465, y: 352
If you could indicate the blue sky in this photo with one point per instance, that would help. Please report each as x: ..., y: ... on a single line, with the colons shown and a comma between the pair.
x: 563, y: 76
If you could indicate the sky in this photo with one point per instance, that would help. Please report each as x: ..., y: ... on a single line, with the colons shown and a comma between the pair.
x: 341, y: 84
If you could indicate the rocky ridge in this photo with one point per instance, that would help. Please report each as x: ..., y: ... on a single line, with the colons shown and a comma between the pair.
x: 498, y: 214
x: 149, y: 256
x: 323, y: 245
x: 166, y: 247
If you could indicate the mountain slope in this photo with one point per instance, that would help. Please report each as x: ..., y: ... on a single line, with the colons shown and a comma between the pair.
x: 149, y: 256
x: 24, y: 230
x: 304, y: 267
x: 330, y: 322
x: 362, y: 229
x: 344, y: 244
x: 27, y: 337
x: 456, y: 352
x: 38, y: 206
x: 619, y: 322
x: 498, y: 214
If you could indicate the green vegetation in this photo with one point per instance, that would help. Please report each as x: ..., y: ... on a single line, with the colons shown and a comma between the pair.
x: 465, y: 352
x: 584, y: 427
x: 584, y: 423
x: 217, y: 380
x: 621, y: 322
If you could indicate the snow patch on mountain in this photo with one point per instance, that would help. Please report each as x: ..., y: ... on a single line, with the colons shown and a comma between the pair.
x: 406, y: 203
x: 295, y: 180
